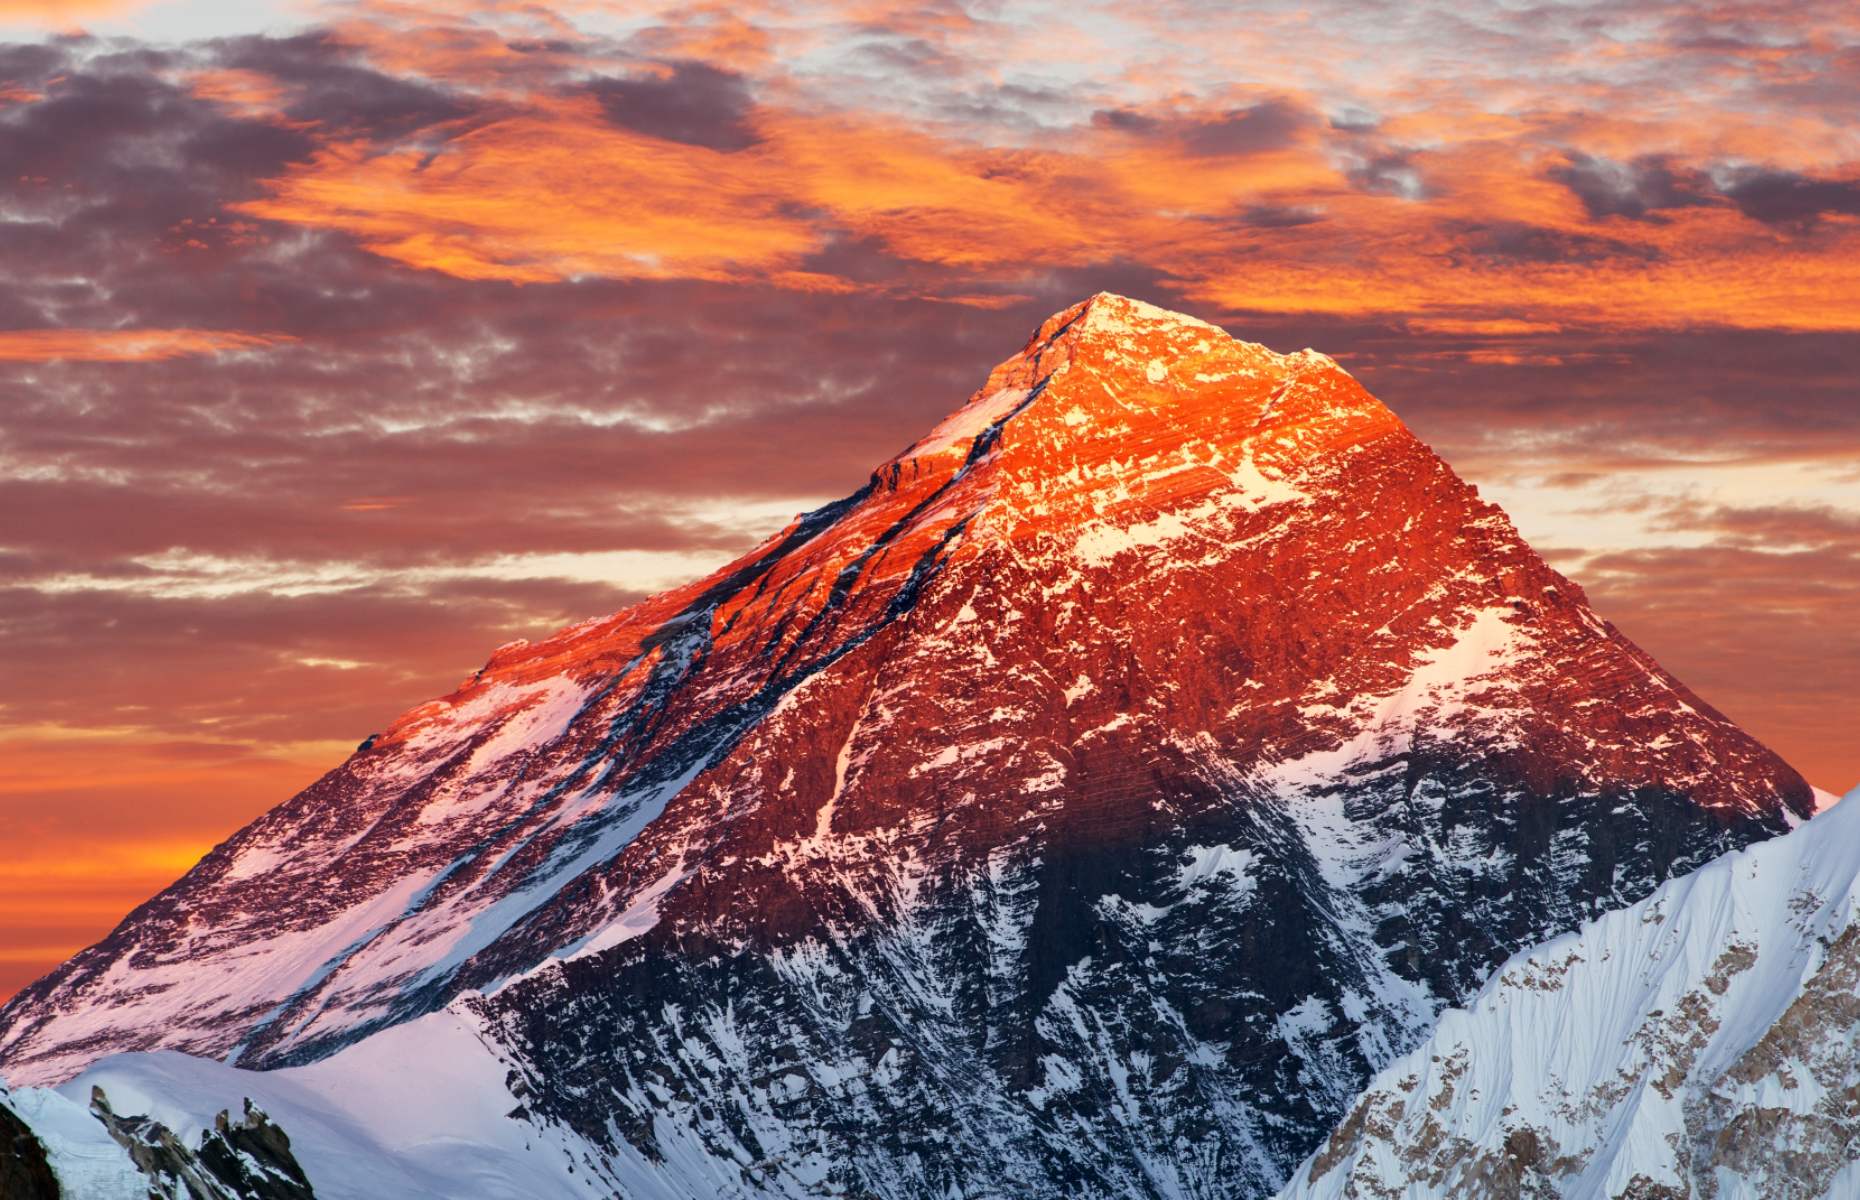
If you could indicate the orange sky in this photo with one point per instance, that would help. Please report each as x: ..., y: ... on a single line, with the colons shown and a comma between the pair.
x: 334, y: 357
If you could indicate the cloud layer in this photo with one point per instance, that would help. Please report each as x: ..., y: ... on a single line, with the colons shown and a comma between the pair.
x: 330, y: 360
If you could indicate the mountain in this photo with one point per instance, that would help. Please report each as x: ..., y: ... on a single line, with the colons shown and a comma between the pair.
x: 1090, y: 804
x: 1703, y: 1042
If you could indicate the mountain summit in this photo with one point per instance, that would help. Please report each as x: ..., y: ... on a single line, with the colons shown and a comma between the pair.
x: 1087, y: 806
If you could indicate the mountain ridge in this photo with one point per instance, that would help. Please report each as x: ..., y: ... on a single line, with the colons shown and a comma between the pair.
x: 1702, y: 1042
x: 1169, y: 704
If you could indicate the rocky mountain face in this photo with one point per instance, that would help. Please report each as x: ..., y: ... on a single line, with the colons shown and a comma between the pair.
x: 25, y: 1168
x: 1089, y: 805
x: 1704, y: 1043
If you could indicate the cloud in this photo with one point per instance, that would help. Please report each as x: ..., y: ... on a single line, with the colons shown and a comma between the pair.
x: 547, y: 196
x: 1647, y: 185
x: 1763, y: 620
x: 690, y: 102
x: 1787, y: 198
x: 1481, y: 326
x: 1271, y: 124
x: 325, y: 81
x: 337, y: 358
x: 1394, y: 172
x: 1521, y: 242
x: 125, y: 345
x: 1279, y: 216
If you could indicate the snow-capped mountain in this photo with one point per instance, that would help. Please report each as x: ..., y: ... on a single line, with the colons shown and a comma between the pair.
x: 1089, y: 804
x: 1703, y: 1042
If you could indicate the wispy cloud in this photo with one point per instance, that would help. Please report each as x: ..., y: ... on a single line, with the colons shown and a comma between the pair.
x: 333, y: 358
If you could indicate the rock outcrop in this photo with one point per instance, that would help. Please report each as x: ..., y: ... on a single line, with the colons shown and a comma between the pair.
x: 247, y: 1159
x: 25, y: 1171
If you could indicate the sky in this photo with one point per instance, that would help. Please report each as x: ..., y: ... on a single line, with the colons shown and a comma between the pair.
x: 342, y: 343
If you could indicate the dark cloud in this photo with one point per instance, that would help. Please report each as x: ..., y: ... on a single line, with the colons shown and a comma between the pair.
x: 1010, y: 105
x: 245, y: 149
x: 257, y: 667
x: 890, y: 55
x: 1271, y: 124
x: 331, y: 88
x: 1786, y: 198
x: 1126, y: 120
x: 91, y: 131
x: 1278, y: 216
x: 1389, y: 172
x: 1638, y: 189
x: 1517, y: 241
x: 1617, y: 402
x: 696, y: 103
x: 1355, y: 120
x: 29, y: 64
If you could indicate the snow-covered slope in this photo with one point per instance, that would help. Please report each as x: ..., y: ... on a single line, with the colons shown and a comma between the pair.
x: 1704, y: 1042
x: 419, y: 1112
x: 1088, y: 806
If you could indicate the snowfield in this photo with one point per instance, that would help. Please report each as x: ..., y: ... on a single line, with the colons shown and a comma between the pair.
x: 417, y: 1112
x: 1703, y: 1042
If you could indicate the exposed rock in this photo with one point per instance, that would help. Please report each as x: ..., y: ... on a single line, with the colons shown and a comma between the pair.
x: 25, y: 1172
x: 249, y: 1159
x: 1704, y: 1045
x: 1087, y: 806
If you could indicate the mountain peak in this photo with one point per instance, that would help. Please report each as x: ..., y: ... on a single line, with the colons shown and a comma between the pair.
x: 1116, y: 314
x: 1153, y: 749
x: 1123, y: 372
x: 1118, y: 318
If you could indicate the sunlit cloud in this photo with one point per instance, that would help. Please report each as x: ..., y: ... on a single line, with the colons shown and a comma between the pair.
x: 64, y: 14
x: 126, y: 345
x: 1251, y: 201
x: 339, y: 354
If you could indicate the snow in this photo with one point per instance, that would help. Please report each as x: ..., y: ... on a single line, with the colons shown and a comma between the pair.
x: 1210, y: 863
x: 418, y: 1112
x: 441, y: 724
x: 1120, y: 316
x: 638, y: 917
x: 1604, y: 1041
x: 1103, y: 541
x: 963, y: 426
x: 545, y: 712
x: 87, y: 1160
x: 823, y: 819
x: 1440, y: 688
